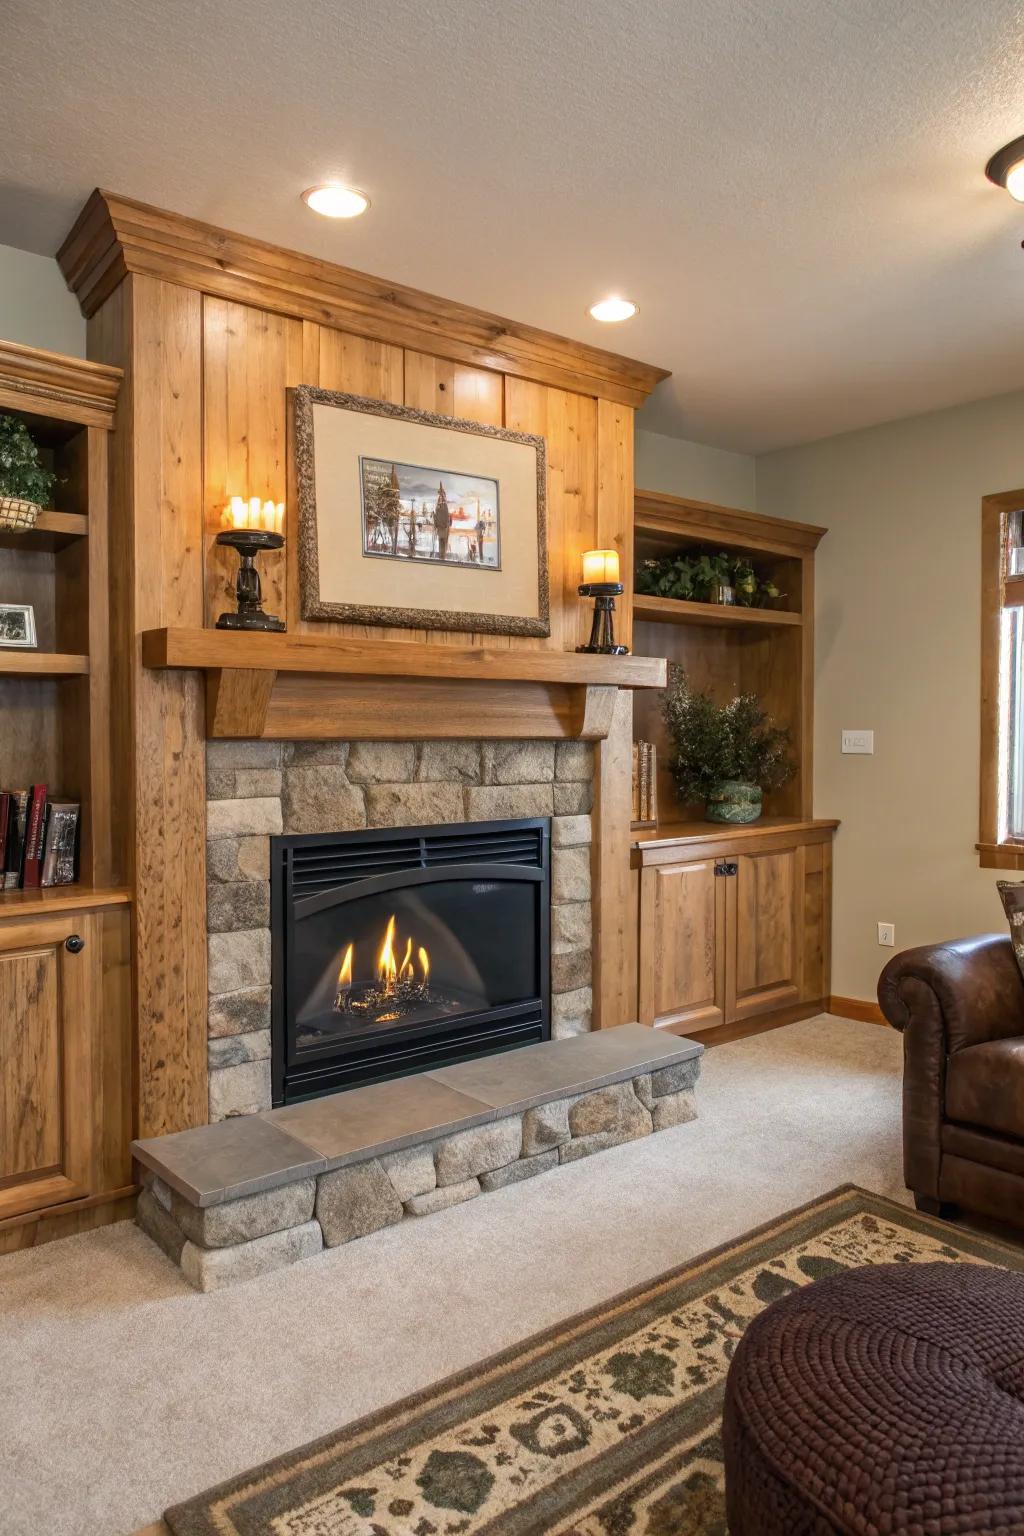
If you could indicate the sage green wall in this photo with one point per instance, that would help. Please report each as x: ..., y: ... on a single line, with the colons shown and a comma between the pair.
x: 898, y: 652
x: 36, y: 308
x: 682, y: 468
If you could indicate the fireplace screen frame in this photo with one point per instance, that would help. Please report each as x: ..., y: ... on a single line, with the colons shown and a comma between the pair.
x: 407, y: 1047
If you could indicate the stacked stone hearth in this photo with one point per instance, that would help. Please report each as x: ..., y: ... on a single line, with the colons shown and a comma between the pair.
x: 314, y: 1206
x: 259, y: 788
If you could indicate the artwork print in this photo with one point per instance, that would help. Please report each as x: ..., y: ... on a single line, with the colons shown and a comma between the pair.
x: 416, y: 520
x: 415, y: 512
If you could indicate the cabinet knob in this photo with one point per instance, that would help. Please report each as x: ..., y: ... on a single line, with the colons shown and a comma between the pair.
x: 74, y: 944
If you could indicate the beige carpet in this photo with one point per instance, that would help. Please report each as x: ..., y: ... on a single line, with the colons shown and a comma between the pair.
x: 125, y: 1392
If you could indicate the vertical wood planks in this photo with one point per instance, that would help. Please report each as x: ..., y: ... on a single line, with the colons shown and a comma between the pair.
x: 162, y: 419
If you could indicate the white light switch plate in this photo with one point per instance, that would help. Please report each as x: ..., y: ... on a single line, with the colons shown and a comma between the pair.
x: 858, y: 741
x: 887, y: 934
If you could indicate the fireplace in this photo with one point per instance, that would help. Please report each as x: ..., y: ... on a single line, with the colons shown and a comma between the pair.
x: 407, y: 948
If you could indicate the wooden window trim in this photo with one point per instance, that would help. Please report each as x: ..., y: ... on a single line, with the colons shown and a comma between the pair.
x: 997, y: 593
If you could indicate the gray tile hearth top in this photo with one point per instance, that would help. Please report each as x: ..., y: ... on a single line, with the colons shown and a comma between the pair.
x: 247, y: 1154
x: 520, y: 1079
x: 383, y: 1117
x: 236, y: 1157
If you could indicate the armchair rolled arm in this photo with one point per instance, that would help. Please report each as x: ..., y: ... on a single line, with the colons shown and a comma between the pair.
x: 971, y: 989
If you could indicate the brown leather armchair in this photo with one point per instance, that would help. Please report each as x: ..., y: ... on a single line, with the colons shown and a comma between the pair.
x: 960, y: 1009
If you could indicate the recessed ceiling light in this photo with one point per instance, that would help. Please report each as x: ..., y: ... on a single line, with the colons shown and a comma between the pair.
x: 613, y: 309
x: 335, y: 201
x: 1006, y: 169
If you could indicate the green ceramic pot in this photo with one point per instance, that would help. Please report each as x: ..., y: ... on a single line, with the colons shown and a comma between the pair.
x: 734, y: 803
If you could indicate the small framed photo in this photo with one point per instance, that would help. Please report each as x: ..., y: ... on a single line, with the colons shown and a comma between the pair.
x: 18, y: 626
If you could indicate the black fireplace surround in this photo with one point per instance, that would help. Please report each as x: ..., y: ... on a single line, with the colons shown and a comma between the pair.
x: 399, y: 950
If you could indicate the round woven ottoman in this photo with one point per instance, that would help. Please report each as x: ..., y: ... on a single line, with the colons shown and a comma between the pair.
x: 881, y: 1401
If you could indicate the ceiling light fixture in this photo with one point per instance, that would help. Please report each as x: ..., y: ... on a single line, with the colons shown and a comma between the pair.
x: 336, y: 201
x: 1006, y: 169
x: 613, y: 309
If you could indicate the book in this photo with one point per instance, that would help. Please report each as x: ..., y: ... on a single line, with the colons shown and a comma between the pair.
x: 5, y: 810
x: 645, y: 785
x: 17, y: 823
x: 32, y: 865
x: 59, y: 847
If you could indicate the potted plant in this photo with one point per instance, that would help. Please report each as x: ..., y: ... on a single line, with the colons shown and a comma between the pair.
x: 706, y: 577
x: 25, y: 484
x: 724, y: 755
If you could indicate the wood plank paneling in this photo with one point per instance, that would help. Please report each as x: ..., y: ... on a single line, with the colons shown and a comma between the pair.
x: 452, y: 389
x: 250, y: 358
x: 614, y: 913
x: 154, y: 330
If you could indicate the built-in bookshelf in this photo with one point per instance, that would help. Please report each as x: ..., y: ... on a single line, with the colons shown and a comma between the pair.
x: 727, y: 650
x: 55, y: 699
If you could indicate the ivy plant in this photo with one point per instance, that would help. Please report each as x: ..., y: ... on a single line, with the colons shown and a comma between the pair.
x: 693, y: 577
x: 21, y: 474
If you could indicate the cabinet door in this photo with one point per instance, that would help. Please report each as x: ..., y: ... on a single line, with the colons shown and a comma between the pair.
x: 766, y: 951
x: 49, y: 1003
x: 682, y: 945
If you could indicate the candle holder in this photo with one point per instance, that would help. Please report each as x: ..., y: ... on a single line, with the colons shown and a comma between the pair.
x: 249, y: 542
x: 602, y: 564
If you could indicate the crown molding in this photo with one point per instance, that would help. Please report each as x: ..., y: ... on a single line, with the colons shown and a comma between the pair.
x: 51, y: 384
x: 114, y: 236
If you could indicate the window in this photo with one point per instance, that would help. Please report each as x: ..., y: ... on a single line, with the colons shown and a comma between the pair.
x: 1001, y: 841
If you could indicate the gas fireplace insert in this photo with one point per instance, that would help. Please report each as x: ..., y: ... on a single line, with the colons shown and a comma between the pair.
x: 403, y: 949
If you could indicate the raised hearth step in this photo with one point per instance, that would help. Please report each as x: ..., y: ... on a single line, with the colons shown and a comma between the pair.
x: 248, y: 1153
x: 232, y: 1200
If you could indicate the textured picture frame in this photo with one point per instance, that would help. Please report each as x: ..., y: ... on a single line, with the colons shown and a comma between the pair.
x: 342, y: 579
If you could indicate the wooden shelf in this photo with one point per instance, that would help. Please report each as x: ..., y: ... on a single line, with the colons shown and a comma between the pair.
x: 215, y: 649
x: 53, y: 530
x: 60, y: 898
x: 671, y: 610
x: 281, y: 687
x: 41, y: 664
x: 676, y: 833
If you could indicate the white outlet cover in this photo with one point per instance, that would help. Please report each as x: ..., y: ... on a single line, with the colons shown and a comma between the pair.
x: 859, y: 741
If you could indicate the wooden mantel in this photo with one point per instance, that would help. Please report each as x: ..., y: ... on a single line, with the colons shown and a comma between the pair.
x: 288, y: 686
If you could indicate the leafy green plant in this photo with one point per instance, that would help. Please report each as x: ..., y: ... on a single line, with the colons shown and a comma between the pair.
x: 713, y: 742
x: 694, y: 577
x: 21, y: 473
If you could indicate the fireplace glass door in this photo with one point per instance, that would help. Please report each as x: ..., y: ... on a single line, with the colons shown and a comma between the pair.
x: 395, y: 951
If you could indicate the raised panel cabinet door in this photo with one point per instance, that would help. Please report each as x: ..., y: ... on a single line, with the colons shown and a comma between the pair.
x: 765, y: 910
x: 682, y: 948
x: 49, y: 1012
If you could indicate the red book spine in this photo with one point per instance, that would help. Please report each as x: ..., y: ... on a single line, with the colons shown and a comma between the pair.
x: 32, y: 877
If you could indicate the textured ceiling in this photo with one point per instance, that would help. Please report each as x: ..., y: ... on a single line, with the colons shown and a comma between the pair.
x: 792, y: 190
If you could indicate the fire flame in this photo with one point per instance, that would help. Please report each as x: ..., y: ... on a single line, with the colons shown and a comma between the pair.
x: 392, y: 978
x: 345, y: 974
x: 387, y: 970
x: 405, y: 970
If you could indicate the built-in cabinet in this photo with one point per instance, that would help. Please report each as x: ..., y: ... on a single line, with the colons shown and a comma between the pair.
x: 65, y: 980
x: 733, y: 927
x: 733, y: 923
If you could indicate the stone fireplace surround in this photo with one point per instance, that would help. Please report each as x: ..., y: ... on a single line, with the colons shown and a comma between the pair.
x: 256, y: 789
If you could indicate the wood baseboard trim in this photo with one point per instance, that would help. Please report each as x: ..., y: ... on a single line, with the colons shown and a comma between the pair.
x: 742, y: 1029
x: 857, y: 1008
x: 34, y: 1228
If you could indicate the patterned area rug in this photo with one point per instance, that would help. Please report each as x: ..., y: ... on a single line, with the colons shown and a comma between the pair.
x: 606, y: 1425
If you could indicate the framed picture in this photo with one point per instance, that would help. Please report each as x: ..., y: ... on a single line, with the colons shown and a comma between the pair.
x: 18, y: 626
x: 418, y: 520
